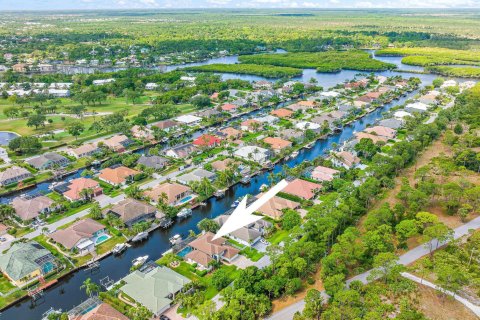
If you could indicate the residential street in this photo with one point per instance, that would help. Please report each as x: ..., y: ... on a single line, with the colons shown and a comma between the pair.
x: 405, y: 259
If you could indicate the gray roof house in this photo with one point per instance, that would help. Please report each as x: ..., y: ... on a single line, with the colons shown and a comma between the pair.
x: 28, y: 209
x: 209, y: 113
x: 13, y: 174
x: 183, y: 151
x: 132, y: 211
x: 247, y: 235
x: 155, y: 289
x: 48, y: 160
x: 196, y: 175
x: 292, y: 134
x: 26, y: 261
x: 391, y: 123
x: 155, y: 162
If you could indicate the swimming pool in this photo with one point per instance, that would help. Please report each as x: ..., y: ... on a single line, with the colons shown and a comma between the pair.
x: 102, y: 238
x: 182, y: 253
x: 186, y: 199
x: 48, y: 267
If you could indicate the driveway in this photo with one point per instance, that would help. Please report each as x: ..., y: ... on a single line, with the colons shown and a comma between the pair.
x: 260, y: 247
x: 242, y: 262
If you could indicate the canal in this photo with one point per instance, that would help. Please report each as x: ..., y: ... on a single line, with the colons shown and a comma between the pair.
x: 67, y: 293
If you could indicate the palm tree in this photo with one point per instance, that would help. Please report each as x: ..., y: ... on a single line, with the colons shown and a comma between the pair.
x: 90, y: 287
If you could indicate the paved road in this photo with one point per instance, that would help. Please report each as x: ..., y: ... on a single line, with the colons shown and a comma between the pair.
x: 405, y: 259
x: 103, y: 200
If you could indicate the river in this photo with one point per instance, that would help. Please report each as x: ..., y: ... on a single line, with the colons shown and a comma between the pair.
x: 67, y: 294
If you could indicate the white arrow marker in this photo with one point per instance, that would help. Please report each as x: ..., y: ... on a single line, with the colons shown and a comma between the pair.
x: 243, y: 216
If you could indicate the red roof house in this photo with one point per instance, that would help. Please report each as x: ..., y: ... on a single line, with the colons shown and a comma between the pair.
x: 206, y: 140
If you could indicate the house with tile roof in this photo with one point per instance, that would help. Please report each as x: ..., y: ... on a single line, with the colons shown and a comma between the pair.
x: 48, y: 160
x: 14, y: 174
x: 117, y: 176
x: 30, y: 208
x: 166, y: 125
x: 155, y: 289
x: 117, y: 143
x: 207, y: 141
x: 103, y: 311
x: 321, y: 173
x: 375, y: 138
x: 205, y: 249
x: 228, y: 107
x: 230, y: 133
x: 251, y: 125
x: 253, y: 153
x: 195, y: 176
x: 174, y: 193
x: 154, y: 162
x: 86, y: 150
x: 277, y: 144
x: 142, y: 133
x: 221, y: 165
x: 132, y: 211
x: 345, y: 159
x: 26, y: 261
x: 248, y: 235
x: 182, y: 151
x: 83, y: 236
x: 382, y: 131
x: 303, y: 189
x: 282, y: 113
x: 74, y: 188
x: 274, y: 208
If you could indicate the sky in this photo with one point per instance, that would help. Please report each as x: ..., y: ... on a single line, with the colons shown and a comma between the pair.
x: 176, y: 4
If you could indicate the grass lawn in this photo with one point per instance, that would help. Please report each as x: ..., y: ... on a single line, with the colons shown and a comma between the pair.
x: 109, y: 244
x: 278, y: 236
x: 5, y: 285
x: 56, y: 217
x: 5, y: 300
x: 252, y: 254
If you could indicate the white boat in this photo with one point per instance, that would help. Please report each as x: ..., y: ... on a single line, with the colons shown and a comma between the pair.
x: 263, y: 187
x: 294, y: 154
x: 119, y: 248
x: 309, y: 146
x: 139, y: 261
x: 235, y: 203
x: 140, y: 236
x: 175, y: 239
x: 185, y: 212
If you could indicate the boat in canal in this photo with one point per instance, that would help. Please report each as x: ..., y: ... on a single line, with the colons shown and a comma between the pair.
x: 219, y: 193
x: 175, y: 239
x: 246, y: 180
x: 185, y: 213
x: 235, y: 203
x: 140, y: 236
x: 119, y: 248
x: 295, y: 154
x: 137, y: 262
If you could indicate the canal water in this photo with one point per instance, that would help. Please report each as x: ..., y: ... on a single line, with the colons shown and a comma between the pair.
x: 67, y: 293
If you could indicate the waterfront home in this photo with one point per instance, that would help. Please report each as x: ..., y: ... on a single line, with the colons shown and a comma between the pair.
x: 229, y: 107
x: 282, y: 113
x: 101, y: 311
x: 166, y: 125
x: 428, y: 99
x: 248, y: 235
x: 117, y: 176
x: 306, y: 125
x: 14, y: 174
x: 253, y: 153
x: 448, y: 83
x: 302, y: 105
x: 357, y: 84
x: 321, y: 173
x: 173, y: 194
x: 4, y: 155
x: 230, y: 133
x: 370, y: 97
x: 382, y: 131
x: 182, y: 151
x: 132, y: 211
x: 328, y: 95
x: 262, y: 84
x: 117, y: 143
x: 155, y: 289
x: 391, y: 123
x: 360, y: 104
x: 205, y: 250
x: 48, y: 160
x: 347, y: 108
x: 87, y: 150
x: 292, y: 135
x: 142, y: 133
x: 208, y: 113
x: 221, y: 165
x: 274, y: 207
x: 189, y: 119
x: 251, y: 125
x: 401, y: 114
x: 151, y: 86
x: 25, y: 262
x: 277, y: 144
x: 30, y: 208
x: 345, y: 159
x: 206, y: 141
x: 102, y: 82
x: 268, y: 119
x: 240, y: 102
x: 375, y: 138
x: 196, y: 176
x: 73, y: 189
x: 82, y: 236
x: 154, y: 162
x: 303, y: 189
x: 417, y: 107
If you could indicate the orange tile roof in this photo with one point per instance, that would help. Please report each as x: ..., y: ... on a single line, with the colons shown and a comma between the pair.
x: 273, y: 208
x: 117, y: 175
x: 282, y: 113
x: 77, y: 185
x: 277, y: 143
x: 229, y: 107
x: 302, y: 188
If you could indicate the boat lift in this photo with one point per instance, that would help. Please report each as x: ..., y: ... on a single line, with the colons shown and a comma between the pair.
x: 92, y: 266
x: 106, y: 282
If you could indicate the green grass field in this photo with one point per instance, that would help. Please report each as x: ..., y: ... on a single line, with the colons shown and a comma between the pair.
x: 246, y: 68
